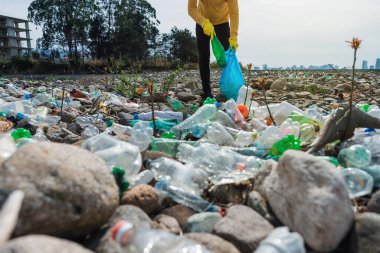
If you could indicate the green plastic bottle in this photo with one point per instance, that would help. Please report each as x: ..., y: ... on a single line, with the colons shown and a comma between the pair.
x: 288, y: 142
x: 168, y: 146
x: 331, y: 159
x: 295, y: 116
x: 175, y: 103
x: 21, y: 133
x: 161, y: 124
x: 364, y: 107
x: 168, y: 135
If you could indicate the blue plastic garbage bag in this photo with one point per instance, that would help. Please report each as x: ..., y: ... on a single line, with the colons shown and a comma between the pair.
x: 232, y: 78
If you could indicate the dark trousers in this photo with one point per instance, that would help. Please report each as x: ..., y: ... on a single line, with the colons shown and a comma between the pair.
x: 203, y: 42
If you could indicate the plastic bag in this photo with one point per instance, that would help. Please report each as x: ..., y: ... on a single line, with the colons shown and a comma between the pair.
x: 218, y: 50
x: 232, y: 78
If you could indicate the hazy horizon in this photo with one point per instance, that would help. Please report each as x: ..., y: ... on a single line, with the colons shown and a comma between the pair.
x: 278, y: 33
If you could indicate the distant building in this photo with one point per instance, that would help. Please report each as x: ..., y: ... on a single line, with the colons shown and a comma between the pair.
x: 365, y: 65
x: 377, y: 66
x: 14, y: 37
x: 256, y: 68
x: 372, y: 67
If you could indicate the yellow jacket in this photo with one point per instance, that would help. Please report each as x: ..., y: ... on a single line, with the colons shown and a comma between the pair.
x: 217, y: 11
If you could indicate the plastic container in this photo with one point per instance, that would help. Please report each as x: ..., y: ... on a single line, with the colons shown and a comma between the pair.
x: 40, y: 135
x: 141, y: 135
x: 145, y: 240
x: 20, y: 133
x: 161, y: 124
x: 290, y: 127
x: 7, y: 147
x: 283, y: 112
x: 224, y: 119
x: 231, y: 107
x: 89, y: 131
x: 175, y: 104
x: 269, y: 136
x: 175, y: 173
x: 144, y: 177
x: 281, y: 240
x: 217, y: 134
x: 118, y: 128
x: 356, y: 156
x: 200, y: 130
x: 159, y: 114
x: 168, y: 146
x: 39, y: 121
x: 243, y: 94
x: 358, y: 182
x: 186, y: 198
x: 203, y: 114
x: 307, y: 134
x: 115, y: 153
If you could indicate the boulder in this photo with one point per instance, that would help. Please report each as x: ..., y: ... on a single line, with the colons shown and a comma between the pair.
x: 368, y: 232
x: 69, y: 192
x: 168, y: 223
x: 243, y: 227
x: 309, y: 196
x: 180, y: 213
x: 279, y: 84
x: 374, y: 203
x: 202, y: 222
x: 143, y: 196
x: 185, y: 96
x: 213, y: 243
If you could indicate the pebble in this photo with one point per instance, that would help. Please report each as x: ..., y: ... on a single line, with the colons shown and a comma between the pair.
x: 143, y: 196
x: 202, y: 222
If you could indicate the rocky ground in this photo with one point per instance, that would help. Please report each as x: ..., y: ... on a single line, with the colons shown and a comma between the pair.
x: 70, y: 201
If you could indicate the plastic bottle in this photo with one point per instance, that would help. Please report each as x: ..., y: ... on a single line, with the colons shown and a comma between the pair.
x: 203, y: 114
x: 374, y: 171
x: 20, y: 133
x: 210, y: 101
x: 168, y: 135
x: 261, y: 112
x: 13, y: 108
x: 314, y: 113
x: 288, y: 142
x: 141, y: 135
x: 40, y: 135
x: 186, y: 198
x: 89, y: 131
x: 290, y: 127
x: 145, y: 240
x: 242, y: 95
x: 144, y: 177
x: 357, y: 181
x: 281, y: 240
x: 356, y: 156
x: 159, y: 114
x: 224, y: 119
x: 40, y: 121
x: 215, y: 160
x: 200, y: 130
x: 175, y: 104
x: 41, y: 98
x: 269, y: 136
x: 161, y: 124
x: 297, y: 117
x: 283, y: 112
x: 244, y: 138
x: 7, y: 147
x: 88, y: 120
x: 115, y: 153
x: 118, y: 129
x: 232, y: 109
x: 307, y: 134
x: 217, y: 134
x: 175, y: 173
x: 168, y: 146
x: 332, y: 160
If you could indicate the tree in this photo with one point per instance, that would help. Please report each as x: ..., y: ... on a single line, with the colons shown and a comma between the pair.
x: 65, y: 22
x: 135, y: 29
x: 98, y: 38
x: 181, y: 45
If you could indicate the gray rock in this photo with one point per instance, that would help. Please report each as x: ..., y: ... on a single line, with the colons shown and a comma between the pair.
x: 185, y: 96
x: 368, y: 232
x: 72, y: 138
x: 68, y: 117
x: 69, y: 192
x: 103, y: 242
x: 257, y: 203
x: 202, y: 222
x: 374, y: 203
x: 279, y: 84
x: 330, y: 100
x: 143, y: 196
x: 55, y: 133
x: 304, y: 94
x: 168, y: 223
x: 308, y: 195
x: 230, y: 193
x: 180, y: 213
x: 243, y: 227
x: 42, y: 244
x: 213, y: 242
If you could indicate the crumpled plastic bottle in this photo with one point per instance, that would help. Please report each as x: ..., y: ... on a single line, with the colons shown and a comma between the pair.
x: 281, y: 240
x: 186, y: 198
x: 307, y: 134
x: 288, y: 142
x: 175, y: 104
x: 356, y: 156
x: 283, y: 111
x: 269, y: 136
x: 358, y: 182
x: 115, y: 153
x: 217, y: 134
x: 290, y: 127
x: 175, y: 173
x: 7, y: 147
x: 89, y: 131
x: 145, y: 240
x: 168, y: 146
x: 141, y: 135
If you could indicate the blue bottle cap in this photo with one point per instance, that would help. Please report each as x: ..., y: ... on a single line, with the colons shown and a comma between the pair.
x: 135, y: 116
x: 217, y: 104
x: 161, y: 185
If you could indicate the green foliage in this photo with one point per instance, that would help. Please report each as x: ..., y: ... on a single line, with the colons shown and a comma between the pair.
x: 21, y: 63
x: 127, y: 85
x: 181, y: 45
x: 170, y: 80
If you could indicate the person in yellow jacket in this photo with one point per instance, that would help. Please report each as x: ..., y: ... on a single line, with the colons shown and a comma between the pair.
x: 213, y: 17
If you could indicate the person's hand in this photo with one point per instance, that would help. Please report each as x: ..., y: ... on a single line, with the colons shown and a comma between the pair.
x: 208, y: 29
x: 233, y: 43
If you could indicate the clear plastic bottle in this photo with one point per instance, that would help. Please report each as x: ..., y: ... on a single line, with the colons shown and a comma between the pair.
x: 358, y: 182
x: 200, y: 130
x: 118, y: 128
x: 307, y: 134
x: 40, y: 135
x: 175, y: 104
x: 12, y: 108
x: 175, y: 173
x: 7, y: 147
x: 203, y: 114
x: 141, y: 135
x: 283, y: 112
x: 356, y: 156
x: 115, y: 153
x: 90, y: 131
x: 290, y: 127
x: 224, y: 119
x: 269, y: 136
x: 145, y: 240
x: 41, y: 99
x: 159, y: 114
x: 40, y: 121
x: 144, y: 177
x: 186, y: 198
x: 243, y: 94
x: 168, y: 146
x: 281, y: 240
x: 217, y: 134
x: 374, y: 171
x: 245, y: 139
x: 314, y: 113
x: 231, y: 107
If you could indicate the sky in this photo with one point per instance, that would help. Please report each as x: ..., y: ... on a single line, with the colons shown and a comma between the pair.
x: 278, y: 32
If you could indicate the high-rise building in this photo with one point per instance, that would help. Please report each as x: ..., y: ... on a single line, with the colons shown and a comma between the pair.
x: 372, y: 67
x: 365, y: 65
x: 14, y: 37
x: 377, y: 66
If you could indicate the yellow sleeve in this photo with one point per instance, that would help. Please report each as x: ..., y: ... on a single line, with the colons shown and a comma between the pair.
x: 233, y: 9
x: 194, y: 13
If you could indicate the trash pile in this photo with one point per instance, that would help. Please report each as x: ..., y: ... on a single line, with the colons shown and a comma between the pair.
x: 86, y: 169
